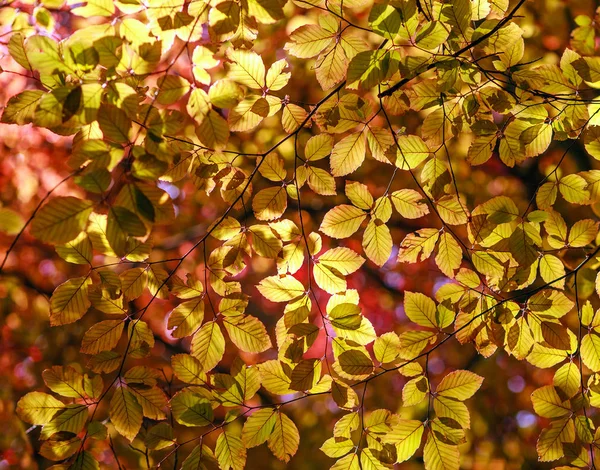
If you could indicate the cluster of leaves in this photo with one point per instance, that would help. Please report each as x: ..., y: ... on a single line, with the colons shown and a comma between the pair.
x: 160, y: 94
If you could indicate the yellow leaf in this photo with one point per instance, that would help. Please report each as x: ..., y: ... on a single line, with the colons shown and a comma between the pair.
x: 103, y: 336
x: 69, y: 301
x: 230, y: 452
x: 246, y: 68
x: 208, y: 345
x: 548, y: 404
x: 409, y: 203
x: 449, y: 255
x: 270, y: 203
x: 460, y: 384
x: 377, y: 242
x: 439, y: 455
x: 61, y: 220
x: 38, y: 408
x: 348, y: 154
x: 125, y: 413
x: 258, y: 427
x: 281, y: 289
x: 247, y: 333
x: 342, y: 221
x: 285, y: 439
x: 590, y: 351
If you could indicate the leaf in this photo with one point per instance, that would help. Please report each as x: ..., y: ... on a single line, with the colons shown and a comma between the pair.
x: 125, y: 413
x: 69, y: 420
x: 103, y: 336
x: 213, y: 130
x: 200, y: 455
x: 281, y: 289
x: 550, y: 303
x: 551, y: 269
x: 420, y: 309
x: 549, y: 445
x: 406, y: 435
x: 258, y: 427
x: 418, y: 246
x: 186, y: 317
x: 331, y: 68
x: 409, y: 203
x: 188, y: 369
x: 582, y: 233
x: 246, y: 68
x: 387, y: 347
x: 348, y: 154
x: 548, y: 404
x: 377, y: 242
x: 65, y: 381
x: 439, y: 455
x: 590, y: 352
x: 344, y: 260
x: 61, y: 220
x: 270, y: 203
x: 573, y: 189
x: 208, y: 346
x: 460, y: 384
x: 342, y: 221
x: 191, y: 409
x: 308, y: 41
x: 248, y: 333
x: 285, y: 439
x: 318, y: 147
x: 449, y: 255
x: 230, y: 452
x: 38, y: 408
x: 20, y: 109
x: 69, y: 301
x: 355, y: 364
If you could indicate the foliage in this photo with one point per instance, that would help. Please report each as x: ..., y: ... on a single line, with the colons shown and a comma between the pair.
x: 216, y: 225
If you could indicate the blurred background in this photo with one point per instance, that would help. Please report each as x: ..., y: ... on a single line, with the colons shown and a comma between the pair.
x: 33, y: 161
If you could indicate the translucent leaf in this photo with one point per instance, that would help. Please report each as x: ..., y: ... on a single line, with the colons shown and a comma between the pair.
x: 248, y: 333
x: 61, y: 220
x: 69, y: 301
x: 38, y: 408
x: 348, y: 154
x: 208, y: 345
x: 460, y: 384
x: 259, y: 427
x: 103, y: 336
x: 191, y: 409
x: 230, y: 452
x: 125, y: 413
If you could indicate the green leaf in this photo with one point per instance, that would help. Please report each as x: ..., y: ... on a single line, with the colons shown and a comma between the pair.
x: 191, y: 409
x: 285, y: 438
